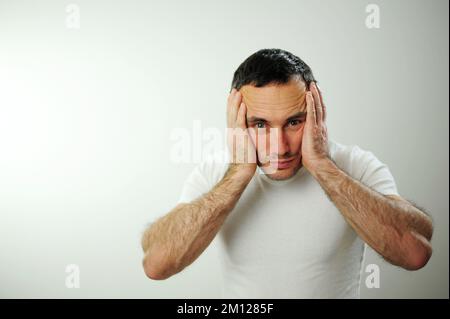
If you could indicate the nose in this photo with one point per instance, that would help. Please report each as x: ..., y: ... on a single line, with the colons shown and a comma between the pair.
x: 279, y: 146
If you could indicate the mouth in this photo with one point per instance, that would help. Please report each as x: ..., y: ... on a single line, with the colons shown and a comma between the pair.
x: 282, y: 164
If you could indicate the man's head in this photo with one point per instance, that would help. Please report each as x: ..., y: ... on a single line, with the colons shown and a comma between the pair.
x: 273, y: 83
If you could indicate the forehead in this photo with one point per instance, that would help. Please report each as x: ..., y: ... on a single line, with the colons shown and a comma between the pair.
x: 275, y: 100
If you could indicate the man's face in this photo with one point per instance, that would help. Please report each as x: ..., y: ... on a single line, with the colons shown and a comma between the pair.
x: 276, y: 117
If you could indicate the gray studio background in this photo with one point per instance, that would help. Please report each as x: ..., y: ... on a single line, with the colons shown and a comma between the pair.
x: 86, y: 116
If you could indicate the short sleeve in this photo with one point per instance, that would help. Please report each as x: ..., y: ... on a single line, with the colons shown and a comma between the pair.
x: 194, y: 186
x: 203, y: 177
x: 372, y: 172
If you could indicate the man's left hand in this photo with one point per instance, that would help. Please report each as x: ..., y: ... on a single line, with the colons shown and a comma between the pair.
x: 315, y: 137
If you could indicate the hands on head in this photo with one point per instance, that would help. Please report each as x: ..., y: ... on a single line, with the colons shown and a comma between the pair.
x: 240, y: 145
x: 243, y: 153
x: 315, y: 136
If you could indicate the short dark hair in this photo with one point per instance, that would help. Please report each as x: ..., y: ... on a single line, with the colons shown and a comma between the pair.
x: 269, y: 66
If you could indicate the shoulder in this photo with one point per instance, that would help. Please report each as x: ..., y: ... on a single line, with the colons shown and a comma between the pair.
x: 364, y: 166
x: 213, y: 166
x: 204, y: 176
x: 352, y: 158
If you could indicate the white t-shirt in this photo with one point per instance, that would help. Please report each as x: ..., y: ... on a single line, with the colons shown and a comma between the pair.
x: 286, y: 239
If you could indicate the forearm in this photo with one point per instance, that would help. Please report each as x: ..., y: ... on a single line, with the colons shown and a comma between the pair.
x: 178, y: 238
x: 398, y: 231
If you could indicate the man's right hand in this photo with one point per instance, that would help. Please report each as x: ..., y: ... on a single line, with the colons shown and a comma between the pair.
x: 240, y: 145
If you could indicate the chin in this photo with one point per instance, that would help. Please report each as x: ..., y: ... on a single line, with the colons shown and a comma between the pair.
x: 282, y: 174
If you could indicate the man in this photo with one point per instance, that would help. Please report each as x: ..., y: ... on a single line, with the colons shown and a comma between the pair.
x: 294, y: 222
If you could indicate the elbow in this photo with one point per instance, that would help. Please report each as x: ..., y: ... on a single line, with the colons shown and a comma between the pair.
x: 155, y: 269
x: 155, y: 274
x: 418, y: 254
x: 418, y: 261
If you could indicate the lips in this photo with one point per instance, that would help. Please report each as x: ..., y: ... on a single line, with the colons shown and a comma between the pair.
x: 282, y: 161
x: 282, y: 164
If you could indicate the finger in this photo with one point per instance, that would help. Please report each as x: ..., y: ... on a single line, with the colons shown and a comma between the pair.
x: 324, y: 108
x: 231, y: 94
x: 229, y: 106
x: 230, y: 98
x: 241, y: 120
x: 253, y: 135
x: 234, y: 107
x: 317, y: 104
x: 310, y: 113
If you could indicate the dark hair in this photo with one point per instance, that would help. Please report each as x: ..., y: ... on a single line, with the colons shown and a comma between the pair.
x: 271, y: 66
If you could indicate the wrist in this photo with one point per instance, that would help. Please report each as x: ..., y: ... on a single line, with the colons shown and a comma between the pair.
x: 241, y: 172
x: 322, y: 168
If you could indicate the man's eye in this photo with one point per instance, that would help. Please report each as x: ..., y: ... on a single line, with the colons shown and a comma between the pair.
x: 260, y: 125
x: 294, y: 122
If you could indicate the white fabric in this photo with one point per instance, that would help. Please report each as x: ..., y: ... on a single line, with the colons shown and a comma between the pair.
x: 286, y: 239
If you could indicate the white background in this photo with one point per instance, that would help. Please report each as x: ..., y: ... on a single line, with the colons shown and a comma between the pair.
x: 86, y: 116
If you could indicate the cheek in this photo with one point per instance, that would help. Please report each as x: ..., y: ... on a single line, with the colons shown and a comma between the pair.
x: 262, y: 144
x: 257, y: 138
x: 295, y: 139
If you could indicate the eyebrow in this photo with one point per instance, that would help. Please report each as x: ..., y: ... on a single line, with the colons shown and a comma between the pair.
x: 253, y: 119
